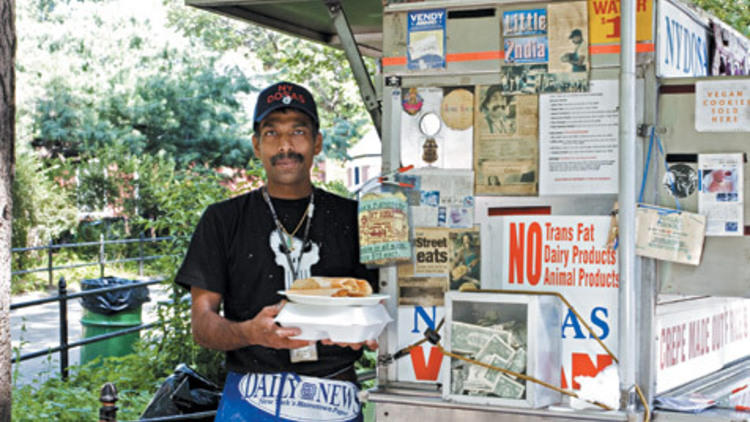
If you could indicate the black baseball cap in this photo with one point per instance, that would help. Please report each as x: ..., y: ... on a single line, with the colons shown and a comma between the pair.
x: 285, y: 95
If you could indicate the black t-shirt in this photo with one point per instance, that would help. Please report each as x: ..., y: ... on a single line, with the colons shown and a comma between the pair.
x: 236, y: 251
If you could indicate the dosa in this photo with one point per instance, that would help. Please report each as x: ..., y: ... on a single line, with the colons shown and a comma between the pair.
x: 332, y: 286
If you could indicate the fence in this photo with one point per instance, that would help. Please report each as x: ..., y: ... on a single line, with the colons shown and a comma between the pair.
x: 63, y: 297
x: 101, y: 262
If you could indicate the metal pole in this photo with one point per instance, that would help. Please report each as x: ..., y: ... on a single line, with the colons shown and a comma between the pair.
x: 627, y: 179
x: 62, y: 293
x: 349, y: 44
x: 140, y: 254
x: 101, y: 255
x: 49, y: 262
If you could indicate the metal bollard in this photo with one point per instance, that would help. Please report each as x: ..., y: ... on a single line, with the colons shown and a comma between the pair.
x: 108, y: 397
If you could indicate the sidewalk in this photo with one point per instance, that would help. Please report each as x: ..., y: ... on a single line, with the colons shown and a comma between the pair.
x: 38, y: 328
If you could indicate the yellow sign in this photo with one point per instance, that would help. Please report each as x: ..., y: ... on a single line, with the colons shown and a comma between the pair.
x: 604, y: 21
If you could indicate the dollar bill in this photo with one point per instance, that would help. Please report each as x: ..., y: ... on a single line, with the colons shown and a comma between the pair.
x: 470, y: 338
x: 518, y: 361
x: 495, y: 346
x: 491, y: 375
x: 508, y: 388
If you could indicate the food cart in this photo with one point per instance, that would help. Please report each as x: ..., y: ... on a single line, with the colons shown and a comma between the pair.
x: 526, y: 124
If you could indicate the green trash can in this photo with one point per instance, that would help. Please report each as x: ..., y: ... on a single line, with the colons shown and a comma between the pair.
x: 108, y: 312
x: 95, y: 324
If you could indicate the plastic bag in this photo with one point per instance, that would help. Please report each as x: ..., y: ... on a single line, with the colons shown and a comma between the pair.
x: 112, y: 302
x: 184, y: 392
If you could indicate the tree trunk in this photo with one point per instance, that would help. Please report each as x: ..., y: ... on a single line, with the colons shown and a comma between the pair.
x: 7, y: 158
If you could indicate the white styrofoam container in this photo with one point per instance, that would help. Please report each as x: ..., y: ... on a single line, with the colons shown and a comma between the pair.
x: 341, y: 324
x: 542, y: 315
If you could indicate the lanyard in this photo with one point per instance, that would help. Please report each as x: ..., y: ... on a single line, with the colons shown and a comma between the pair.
x: 282, y: 233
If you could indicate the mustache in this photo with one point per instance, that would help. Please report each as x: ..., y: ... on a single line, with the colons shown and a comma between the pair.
x: 291, y: 155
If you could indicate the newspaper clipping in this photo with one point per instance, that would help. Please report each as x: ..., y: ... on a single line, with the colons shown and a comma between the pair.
x: 465, y: 259
x: 721, y: 193
x: 522, y: 79
x: 431, y: 251
x: 568, y: 37
x: 419, y: 291
x: 441, y: 198
x: 505, y: 147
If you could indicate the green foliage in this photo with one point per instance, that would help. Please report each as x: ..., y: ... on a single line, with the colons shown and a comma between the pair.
x: 41, y: 207
x: 51, y: 398
x: 733, y: 12
x: 194, y: 116
x: 182, y: 200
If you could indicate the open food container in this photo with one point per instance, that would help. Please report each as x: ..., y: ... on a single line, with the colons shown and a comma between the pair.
x: 516, y: 332
x: 341, y: 324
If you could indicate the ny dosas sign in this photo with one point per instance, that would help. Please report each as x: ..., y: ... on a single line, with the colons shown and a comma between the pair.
x: 682, y: 47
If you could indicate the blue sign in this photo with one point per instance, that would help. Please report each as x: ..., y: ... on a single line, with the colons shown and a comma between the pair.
x: 426, y: 39
x: 524, y: 22
x: 526, y: 50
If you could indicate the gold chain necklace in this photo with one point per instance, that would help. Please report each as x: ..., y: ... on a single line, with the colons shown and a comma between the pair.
x: 290, y: 236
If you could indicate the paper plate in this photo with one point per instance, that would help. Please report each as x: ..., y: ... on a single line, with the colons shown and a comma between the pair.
x: 333, y: 301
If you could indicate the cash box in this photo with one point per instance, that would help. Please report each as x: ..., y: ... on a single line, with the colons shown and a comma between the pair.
x: 517, y: 332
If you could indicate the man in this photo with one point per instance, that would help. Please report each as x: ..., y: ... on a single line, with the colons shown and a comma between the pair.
x: 246, y: 249
x: 499, y: 111
x: 465, y: 272
x: 576, y: 60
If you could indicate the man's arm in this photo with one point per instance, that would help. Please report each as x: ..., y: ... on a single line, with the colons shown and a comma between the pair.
x: 213, y: 331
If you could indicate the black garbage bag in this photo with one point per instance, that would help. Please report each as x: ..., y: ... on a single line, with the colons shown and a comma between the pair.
x: 182, y: 393
x: 112, y: 302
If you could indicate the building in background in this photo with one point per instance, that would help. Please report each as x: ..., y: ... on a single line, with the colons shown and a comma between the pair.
x: 365, y: 163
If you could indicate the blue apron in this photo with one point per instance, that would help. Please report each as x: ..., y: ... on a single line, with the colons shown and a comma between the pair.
x: 287, y: 397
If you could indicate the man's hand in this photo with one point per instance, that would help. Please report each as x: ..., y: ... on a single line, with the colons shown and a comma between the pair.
x: 263, y: 330
x: 213, y: 331
x: 370, y: 344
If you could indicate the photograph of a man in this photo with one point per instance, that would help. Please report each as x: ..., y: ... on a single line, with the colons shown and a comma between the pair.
x: 499, y: 111
x: 576, y: 58
x: 464, y: 273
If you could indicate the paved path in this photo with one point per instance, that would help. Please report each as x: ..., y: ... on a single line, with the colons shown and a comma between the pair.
x: 38, y: 328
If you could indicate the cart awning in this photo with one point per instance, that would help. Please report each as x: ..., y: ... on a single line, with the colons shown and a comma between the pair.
x: 307, y: 19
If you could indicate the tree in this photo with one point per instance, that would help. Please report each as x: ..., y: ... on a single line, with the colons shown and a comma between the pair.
x: 7, y: 140
x: 325, y: 70
x: 733, y: 12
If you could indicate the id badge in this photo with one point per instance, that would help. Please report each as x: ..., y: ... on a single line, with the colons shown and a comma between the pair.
x: 308, y: 353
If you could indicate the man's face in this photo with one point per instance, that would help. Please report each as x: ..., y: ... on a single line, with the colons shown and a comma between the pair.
x: 496, y: 105
x: 285, y: 144
x: 576, y: 39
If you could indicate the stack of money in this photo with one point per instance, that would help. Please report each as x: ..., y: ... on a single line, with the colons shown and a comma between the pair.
x: 500, y: 345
